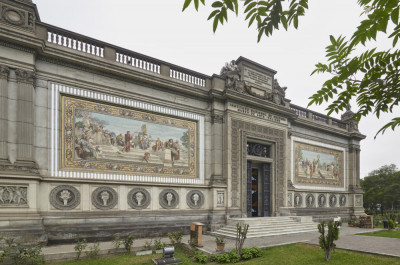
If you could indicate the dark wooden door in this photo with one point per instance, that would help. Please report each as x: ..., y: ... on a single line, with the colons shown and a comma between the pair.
x: 249, y: 184
x: 266, y: 189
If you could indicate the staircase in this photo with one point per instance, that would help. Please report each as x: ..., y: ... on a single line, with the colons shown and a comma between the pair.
x: 269, y: 226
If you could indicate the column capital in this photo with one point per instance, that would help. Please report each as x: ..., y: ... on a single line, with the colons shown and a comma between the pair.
x: 4, y: 71
x: 24, y: 76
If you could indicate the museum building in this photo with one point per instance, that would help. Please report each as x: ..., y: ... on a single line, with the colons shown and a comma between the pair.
x: 96, y: 139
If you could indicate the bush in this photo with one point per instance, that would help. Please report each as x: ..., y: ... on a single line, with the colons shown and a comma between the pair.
x: 175, y: 237
x: 117, y: 241
x: 249, y: 253
x: 391, y: 224
x: 213, y: 257
x: 93, y: 251
x: 256, y: 252
x: 128, y: 242
x: 158, y: 244
x: 326, y: 241
x: 200, y: 257
x: 79, y: 247
x: 24, y: 255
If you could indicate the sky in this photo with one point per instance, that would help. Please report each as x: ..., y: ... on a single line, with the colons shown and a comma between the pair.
x: 159, y: 29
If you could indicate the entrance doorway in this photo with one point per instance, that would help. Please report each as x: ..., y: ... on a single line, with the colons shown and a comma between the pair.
x: 258, y: 189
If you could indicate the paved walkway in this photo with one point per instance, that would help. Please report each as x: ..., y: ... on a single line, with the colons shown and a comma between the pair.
x: 347, y: 240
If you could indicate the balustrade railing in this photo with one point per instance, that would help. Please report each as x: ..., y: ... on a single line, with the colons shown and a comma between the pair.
x: 75, y: 43
x: 187, y: 77
x: 299, y: 112
x: 138, y: 62
x: 319, y: 118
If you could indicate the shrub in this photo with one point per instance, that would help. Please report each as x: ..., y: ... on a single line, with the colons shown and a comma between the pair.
x: 24, y: 255
x: 246, y: 254
x: 390, y: 224
x: 158, y: 244
x: 220, y: 239
x: 128, y: 242
x: 200, y: 257
x: 93, y: 251
x: 147, y: 245
x: 223, y: 258
x: 213, y: 257
x: 175, y: 237
x: 117, y: 241
x: 256, y: 252
x: 326, y: 241
x: 79, y: 247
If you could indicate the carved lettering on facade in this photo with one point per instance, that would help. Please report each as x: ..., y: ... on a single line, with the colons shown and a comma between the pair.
x: 257, y: 113
x: 257, y: 78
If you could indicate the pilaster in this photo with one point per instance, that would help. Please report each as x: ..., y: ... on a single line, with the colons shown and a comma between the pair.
x: 4, y: 72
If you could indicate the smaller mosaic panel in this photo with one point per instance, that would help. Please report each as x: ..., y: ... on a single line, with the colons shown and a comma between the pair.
x: 318, y: 166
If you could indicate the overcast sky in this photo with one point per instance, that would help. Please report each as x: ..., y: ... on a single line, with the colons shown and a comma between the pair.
x: 159, y: 29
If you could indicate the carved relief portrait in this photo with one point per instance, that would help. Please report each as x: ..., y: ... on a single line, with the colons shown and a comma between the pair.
x: 310, y: 200
x: 169, y: 199
x: 106, y: 138
x: 332, y: 200
x: 104, y: 198
x: 342, y: 200
x: 317, y: 166
x: 139, y: 198
x: 65, y: 197
x: 195, y: 199
x: 321, y: 200
x: 298, y: 200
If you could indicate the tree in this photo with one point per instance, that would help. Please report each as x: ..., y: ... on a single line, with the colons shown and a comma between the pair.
x: 372, y: 78
x: 326, y: 242
x: 384, y: 170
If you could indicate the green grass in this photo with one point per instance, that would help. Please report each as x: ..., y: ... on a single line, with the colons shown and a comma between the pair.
x: 386, y: 233
x: 296, y: 254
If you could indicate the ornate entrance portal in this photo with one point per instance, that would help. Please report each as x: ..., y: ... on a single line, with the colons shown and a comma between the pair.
x: 258, y: 189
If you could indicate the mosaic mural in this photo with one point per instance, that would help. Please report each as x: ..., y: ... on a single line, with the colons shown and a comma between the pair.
x: 102, y: 137
x: 317, y: 166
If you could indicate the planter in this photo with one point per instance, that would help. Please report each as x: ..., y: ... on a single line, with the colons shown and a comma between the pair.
x: 220, y: 246
x: 144, y: 252
x: 159, y: 251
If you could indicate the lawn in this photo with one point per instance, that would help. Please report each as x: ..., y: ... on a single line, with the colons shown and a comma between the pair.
x: 385, y: 233
x: 296, y: 254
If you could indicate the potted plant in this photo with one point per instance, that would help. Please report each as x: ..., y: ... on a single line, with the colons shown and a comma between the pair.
x: 220, y: 243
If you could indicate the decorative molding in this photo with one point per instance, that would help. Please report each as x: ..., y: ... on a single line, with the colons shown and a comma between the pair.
x: 16, y: 168
x: 260, y: 150
x: 290, y: 199
x: 342, y: 200
x: 220, y: 198
x: 310, y: 200
x: 65, y: 197
x: 139, y: 198
x: 58, y: 89
x: 17, y: 47
x: 13, y: 195
x: 216, y: 118
x: 298, y: 200
x: 13, y: 16
x: 4, y: 71
x: 195, y: 199
x: 332, y: 200
x: 358, y: 200
x: 25, y: 76
x: 321, y: 200
x: 104, y: 198
x: 169, y: 199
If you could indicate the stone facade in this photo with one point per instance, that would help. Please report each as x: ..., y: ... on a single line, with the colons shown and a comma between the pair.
x: 97, y: 140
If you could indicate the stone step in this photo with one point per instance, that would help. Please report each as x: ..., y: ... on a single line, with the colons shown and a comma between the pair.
x: 273, y: 228
x: 263, y: 234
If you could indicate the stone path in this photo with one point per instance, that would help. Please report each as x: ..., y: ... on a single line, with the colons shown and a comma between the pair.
x: 347, y: 240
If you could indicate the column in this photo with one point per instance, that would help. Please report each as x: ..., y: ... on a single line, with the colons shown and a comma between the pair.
x: 4, y: 71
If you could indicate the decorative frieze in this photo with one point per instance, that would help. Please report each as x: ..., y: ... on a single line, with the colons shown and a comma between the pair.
x: 65, y: 197
x: 104, y: 198
x: 169, y: 199
x: 139, y: 198
x: 13, y: 195
x: 195, y: 199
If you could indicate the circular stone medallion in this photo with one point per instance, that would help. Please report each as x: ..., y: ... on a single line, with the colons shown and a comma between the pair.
x: 310, y: 200
x: 195, y: 199
x: 332, y: 200
x: 169, y: 199
x: 297, y: 200
x: 104, y: 198
x: 139, y: 198
x: 321, y: 200
x: 65, y: 197
x: 342, y: 200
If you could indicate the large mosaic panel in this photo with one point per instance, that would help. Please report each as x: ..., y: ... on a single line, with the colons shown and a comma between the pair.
x: 318, y: 166
x: 102, y: 137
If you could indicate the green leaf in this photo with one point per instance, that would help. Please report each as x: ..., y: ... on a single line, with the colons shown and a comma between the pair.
x: 213, y: 14
x: 296, y: 22
x: 250, y: 6
x: 236, y: 7
x: 196, y: 4
x: 186, y: 4
x: 217, y: 4
x: 394, y: 16
x: 284, y: 22
x: 229, y: 4
x: 215, y: 23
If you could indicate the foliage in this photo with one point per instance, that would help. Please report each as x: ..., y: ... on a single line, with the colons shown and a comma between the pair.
x: 249, y: 253
x: 117, y: 241
x: 229, y: 257
x: 220, y: 239
x: 24, y: 255
x: 200, y: 257
x: 390, y: 225
x: 147, y: 245
x: 79, y: 247
x: 93, y: 251
x: 326, y: 241
x: 128, y: 242
x: 175, y: 237
x: 241, y: 234
x: 371, y: 77
x: 158, y: 244
x: 185, y: 140
x: 382, y: 188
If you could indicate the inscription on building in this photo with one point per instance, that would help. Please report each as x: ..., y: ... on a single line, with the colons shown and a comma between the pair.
x: 257, y: 113
x: 257, y: 78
